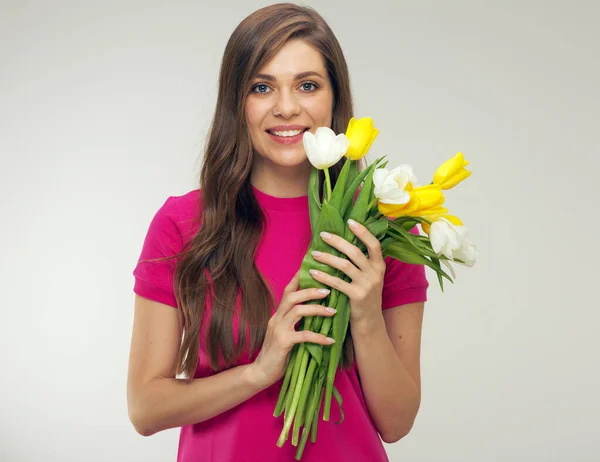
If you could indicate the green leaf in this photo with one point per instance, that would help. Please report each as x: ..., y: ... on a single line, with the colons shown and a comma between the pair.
x: 351, y: 190
x: 441, y: 273
x: 421, y: 244
x: 340, y: 186
x: 378, y: 228
x: 407, y: 236
x: 400, y: 252
x: 316, y: 351
x: 409, y: 224
x: 352, y: 174
x: 349, y: 194
x: 360, y: 208
x: 330, y: 221
x: 338, y: 398
x: 387, y: 241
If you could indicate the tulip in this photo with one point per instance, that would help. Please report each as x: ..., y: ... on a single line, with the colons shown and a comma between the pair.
x: 467, y: 253
x: 324, y: 148
x: 451, y: 172
x: 393, y: 187
x: 361, y: 134
x: 451, y: 241
x: 435, y: 216
x: 424, y: 200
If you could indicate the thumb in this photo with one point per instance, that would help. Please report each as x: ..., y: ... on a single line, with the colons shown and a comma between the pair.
x: 293, y: 284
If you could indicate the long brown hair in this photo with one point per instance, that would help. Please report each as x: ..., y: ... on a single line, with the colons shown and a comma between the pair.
x: 219, y: 259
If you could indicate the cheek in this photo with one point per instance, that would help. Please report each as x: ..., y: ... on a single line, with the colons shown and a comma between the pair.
x: 321, y: 110
x: 251, y: 116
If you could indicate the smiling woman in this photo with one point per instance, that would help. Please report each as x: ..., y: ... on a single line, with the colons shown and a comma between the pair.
x: 292, y: 86
x: 299, y: 91
x: 217, y: 300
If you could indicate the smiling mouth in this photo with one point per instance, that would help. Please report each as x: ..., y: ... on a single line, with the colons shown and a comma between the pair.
x: 286, y: 133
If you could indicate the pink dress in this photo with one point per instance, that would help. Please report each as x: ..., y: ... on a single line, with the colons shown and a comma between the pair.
x: 249, y: 432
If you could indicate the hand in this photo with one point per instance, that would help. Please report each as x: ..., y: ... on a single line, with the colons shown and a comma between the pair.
x: 366, y: 274
x: 281, y: 336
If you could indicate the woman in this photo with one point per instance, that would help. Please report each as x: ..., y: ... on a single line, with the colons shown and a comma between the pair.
x: 239, y: 242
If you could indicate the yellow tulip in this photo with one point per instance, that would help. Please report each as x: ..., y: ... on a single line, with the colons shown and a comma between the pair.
x: 361, y: 134
x: 424, y: 200
x: 451, y: 172
x: 451, y: 218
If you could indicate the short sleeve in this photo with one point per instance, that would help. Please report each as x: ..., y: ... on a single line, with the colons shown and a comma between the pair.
x: 154, y: 279
x: 403, y: 282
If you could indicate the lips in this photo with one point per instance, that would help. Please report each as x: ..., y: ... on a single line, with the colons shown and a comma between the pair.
x: 287, y: 139
x: 283, y: 128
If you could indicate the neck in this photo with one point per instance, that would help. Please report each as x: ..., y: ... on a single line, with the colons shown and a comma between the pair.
x: 279, y: 181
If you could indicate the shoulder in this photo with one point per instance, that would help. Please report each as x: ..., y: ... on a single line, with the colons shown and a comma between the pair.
x: 184, y: 206
x: 176, y: 220
x: 404, y: 282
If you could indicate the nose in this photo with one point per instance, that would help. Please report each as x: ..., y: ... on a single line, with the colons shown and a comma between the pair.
x: 286, y: 104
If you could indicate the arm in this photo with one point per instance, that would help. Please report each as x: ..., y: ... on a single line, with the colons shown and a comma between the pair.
x: 156, y: 399
x: 387, y: 342
x: 388, y: 359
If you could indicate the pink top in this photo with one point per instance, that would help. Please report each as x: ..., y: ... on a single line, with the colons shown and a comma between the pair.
x: 249, y: 431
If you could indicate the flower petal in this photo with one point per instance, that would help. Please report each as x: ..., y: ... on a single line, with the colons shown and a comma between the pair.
x: 312, y: 151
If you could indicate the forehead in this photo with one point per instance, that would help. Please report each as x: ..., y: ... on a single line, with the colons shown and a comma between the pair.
x: 294, y: 57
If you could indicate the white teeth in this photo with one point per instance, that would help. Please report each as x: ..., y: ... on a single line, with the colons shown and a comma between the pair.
x: 286, y: 133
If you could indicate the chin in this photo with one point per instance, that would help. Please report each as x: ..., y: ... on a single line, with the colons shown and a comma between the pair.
x: 289, y: 158
x: 290, y: 161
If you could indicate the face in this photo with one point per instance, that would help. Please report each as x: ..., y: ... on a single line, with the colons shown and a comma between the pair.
x: 290, y: 94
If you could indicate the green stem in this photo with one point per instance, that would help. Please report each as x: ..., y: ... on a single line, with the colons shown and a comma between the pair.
x: 302, y: 350
x: 327, y: 183
x: 318, y: 323
x: 313, y: 436
x: 302, y: 403
x: 303, y: 357
x: 312, y: 416
x: 284, y: 388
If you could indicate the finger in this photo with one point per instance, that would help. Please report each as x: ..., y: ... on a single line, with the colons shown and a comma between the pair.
x: 311, y: 337
x: 348, y: 249
x: 299, y: 311
x: 306, y: 295
x: 342, y: 264
x: 293, y: 285
x: 371, y: 242
x: 299, y: 297
x: 333, y: 281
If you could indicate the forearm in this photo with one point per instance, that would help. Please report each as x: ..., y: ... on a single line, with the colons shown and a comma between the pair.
x: 165, y: 403
x: 390, y: 393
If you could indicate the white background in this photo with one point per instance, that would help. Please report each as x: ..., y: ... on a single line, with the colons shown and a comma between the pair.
x: 104, y: 108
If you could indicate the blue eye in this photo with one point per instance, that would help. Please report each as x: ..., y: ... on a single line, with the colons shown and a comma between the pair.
x: 260, y: 85
x: 309, y: 83
x: 262, y: 88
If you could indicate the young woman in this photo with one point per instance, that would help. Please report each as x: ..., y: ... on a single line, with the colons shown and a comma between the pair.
x: 213, y: 327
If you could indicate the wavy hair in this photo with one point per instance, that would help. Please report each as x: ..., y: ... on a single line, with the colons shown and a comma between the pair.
x: 220, y: 258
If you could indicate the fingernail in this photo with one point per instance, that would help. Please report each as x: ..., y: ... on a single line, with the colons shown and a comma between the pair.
x: 331, y: 310
x: 330, y: 340
x: 325, y: 235
x: 353, y: 224
x: 314, y: 272
x: 323, y: 291
x: 315, y: 253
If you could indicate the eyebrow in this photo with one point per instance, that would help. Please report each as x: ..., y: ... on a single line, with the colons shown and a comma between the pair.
x: 302, y: 75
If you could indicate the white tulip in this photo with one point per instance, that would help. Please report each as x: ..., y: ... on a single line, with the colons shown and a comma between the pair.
x: 324, y: 148
x: 390, y: 185
x: 451, y: 241
x: 467, y: 253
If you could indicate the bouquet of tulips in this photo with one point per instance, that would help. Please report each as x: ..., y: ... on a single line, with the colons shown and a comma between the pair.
x: 390, y: 205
